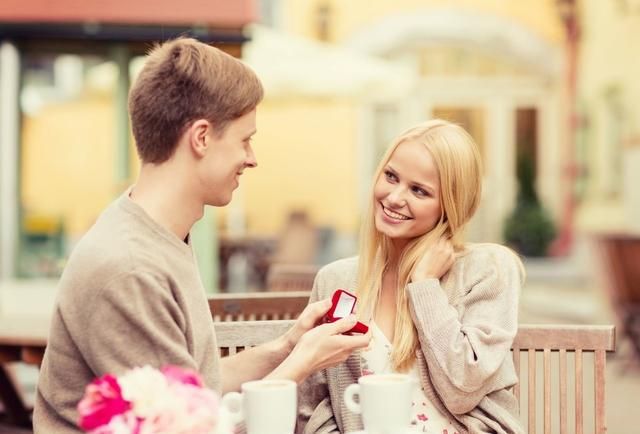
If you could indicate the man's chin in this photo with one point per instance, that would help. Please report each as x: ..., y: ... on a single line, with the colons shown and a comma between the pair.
x: 220, y: 201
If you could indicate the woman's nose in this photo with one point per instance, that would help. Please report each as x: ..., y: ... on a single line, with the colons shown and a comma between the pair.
x: 396, y: 196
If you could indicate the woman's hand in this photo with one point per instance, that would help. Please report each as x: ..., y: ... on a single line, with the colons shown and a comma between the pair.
x: 435, y: 262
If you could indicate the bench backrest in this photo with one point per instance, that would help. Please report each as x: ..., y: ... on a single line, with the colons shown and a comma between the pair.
x: 540, y: 353
x: 253, y: 306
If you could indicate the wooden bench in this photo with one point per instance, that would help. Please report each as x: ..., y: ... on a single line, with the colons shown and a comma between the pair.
x: 291, y: 277
x: 252, y: 306
x: 535, y: 351
x: 620, y: 255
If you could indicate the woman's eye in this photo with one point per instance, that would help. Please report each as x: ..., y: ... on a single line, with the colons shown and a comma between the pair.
x: 390, y: 176
x: 420, y: 191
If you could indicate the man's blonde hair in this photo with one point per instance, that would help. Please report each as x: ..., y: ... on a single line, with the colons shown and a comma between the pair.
x: 184, y: 80
x: 458, y: 162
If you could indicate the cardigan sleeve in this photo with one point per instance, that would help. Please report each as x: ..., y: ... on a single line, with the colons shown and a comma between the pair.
x: 315, y: 413
x: 466, y: 345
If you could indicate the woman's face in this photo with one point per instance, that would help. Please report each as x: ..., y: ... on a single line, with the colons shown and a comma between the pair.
x: 407, y: 194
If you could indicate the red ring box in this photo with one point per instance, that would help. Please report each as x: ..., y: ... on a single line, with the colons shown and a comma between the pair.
x: 342, y: 305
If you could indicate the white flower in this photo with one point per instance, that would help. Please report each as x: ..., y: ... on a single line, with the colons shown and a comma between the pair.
x: 148, y: 391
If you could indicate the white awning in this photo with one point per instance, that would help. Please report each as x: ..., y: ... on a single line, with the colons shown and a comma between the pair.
x: 291, y: 65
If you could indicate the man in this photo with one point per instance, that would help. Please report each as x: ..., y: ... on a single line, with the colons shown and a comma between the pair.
x: 130, y: 294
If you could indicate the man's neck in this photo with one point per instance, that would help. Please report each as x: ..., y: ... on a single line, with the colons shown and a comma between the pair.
x: 160, y: 193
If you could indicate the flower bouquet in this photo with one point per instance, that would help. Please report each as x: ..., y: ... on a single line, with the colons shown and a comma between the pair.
x: 150, y: 401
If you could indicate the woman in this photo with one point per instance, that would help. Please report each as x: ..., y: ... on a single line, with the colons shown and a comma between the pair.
x: 440, y: 310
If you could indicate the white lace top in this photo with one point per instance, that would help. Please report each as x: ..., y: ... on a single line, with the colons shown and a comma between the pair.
x: 425, y: 417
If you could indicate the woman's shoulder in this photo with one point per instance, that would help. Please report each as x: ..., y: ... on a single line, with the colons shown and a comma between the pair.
x: 340, y: 267
x: 488, y: 254
x: 497, y: 252
x: 337, y: 274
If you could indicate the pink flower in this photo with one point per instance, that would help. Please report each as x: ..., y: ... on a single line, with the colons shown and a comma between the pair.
x: 102, y: 401
x: 125, y: 423
x: 146, y: 400
x: 195, y: 411
x: 182, y: 375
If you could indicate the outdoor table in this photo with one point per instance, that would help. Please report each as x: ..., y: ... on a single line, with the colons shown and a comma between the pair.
x: 22, y: 339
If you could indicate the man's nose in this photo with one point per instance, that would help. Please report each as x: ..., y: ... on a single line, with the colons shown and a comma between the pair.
x: 251, y: 160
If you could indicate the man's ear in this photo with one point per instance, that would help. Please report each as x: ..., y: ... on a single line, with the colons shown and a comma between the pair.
x: 200, y: 137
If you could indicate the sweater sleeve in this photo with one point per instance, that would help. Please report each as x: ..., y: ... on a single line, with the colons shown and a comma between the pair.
x: 315, y: 413
x: 133, y: 320
x: 466, y: 345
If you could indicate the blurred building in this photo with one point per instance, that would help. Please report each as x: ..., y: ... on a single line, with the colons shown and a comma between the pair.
x: 551, y: 80
x: 608, y: 143
x: 495, y: 67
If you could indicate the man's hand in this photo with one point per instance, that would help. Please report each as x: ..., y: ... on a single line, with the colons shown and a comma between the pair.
x: 310, y: 317
x: 321, y: 347
x: 435, y: 262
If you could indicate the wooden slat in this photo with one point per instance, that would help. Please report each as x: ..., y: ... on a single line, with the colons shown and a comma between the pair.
x: 516, y: 364
x: 262, y: 305
x: 563, y: 391
x: 547, y: 391
x: 557, y: 337
x: 579, y: 397
x: 532, y: 391
x: 249, y: 333
x: 600, y: 362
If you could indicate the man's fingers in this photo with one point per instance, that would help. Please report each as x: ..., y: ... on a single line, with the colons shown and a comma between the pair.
x: 315, y: 311
x: 343, y: 325
x: 349, y: 343
x: 321, y: 307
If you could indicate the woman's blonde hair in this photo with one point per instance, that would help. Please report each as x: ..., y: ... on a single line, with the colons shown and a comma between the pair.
x: 459, y: 168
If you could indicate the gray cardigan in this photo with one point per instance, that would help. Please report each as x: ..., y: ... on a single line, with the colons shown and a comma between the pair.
x: 466, y: 325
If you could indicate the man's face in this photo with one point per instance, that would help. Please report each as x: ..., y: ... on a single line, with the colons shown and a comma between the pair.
x: 228, y: 156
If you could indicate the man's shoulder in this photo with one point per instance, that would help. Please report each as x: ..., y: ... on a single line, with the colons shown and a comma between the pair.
x: 109, y: 251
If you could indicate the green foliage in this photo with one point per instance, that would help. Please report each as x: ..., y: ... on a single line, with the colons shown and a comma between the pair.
x: 529, y: 229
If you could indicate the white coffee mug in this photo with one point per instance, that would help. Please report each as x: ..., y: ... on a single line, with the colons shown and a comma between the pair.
x: 266, y: 406
x: 384, y: 402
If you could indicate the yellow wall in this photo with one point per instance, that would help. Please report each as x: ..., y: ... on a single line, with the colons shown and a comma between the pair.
x: 306, y: 160
x: 68, y: 162
x: 609, y: 88
x: 350, y: 16
x: 608, y: 55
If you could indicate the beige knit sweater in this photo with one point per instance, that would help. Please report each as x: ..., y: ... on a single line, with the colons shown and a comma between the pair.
x: 466, y: 324
x: 130, y: 295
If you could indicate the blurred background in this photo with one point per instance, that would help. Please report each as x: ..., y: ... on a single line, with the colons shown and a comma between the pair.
x: 548, y: 88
